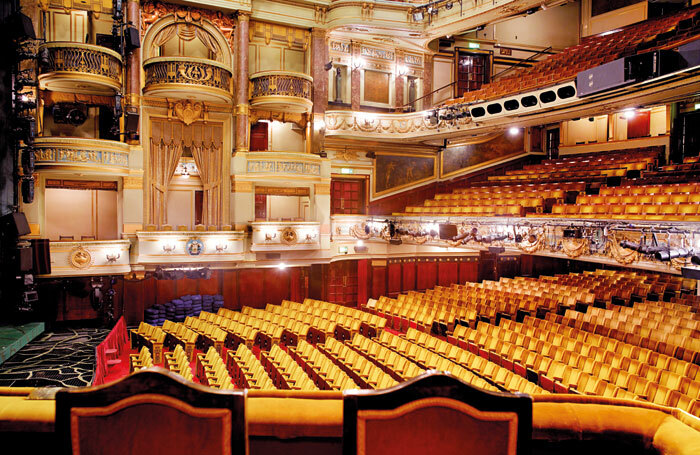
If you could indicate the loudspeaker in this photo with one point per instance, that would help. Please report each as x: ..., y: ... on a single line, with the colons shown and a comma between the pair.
x: 131, y: 122
x: 28, y: 190
x: 650, y: 65
x: 131, y: 39
x: 691, y: 53
x: 25, y: 259
x: 447, y: 231
x: 28, y: 158
x: 22, y: 27
x: 601, y: 78
x: 15, y: 223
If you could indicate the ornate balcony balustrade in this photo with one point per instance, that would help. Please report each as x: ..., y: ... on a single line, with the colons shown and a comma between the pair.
x: 69, y: 153
x: 168, y: 76
x: 81, y: 68
x: 286, y: 236
x: 95, y: 257
x: 281, y: 91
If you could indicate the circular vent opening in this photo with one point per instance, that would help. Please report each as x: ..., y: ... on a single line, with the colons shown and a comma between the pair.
x: 478, y: 112
x: 494, y: 108
x: 511, y: 105
x: 548, y: 96
x: 528, y: 101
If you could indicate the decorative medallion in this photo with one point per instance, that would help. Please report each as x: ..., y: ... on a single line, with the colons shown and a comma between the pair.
x: 289, y: 236
x: 187, y: 111
x: 194, y: 247
x: 80, y: 258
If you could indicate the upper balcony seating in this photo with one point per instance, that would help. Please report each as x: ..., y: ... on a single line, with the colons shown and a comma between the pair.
x: 615, y: 163
x: 510, y: 200
x: 674, y: 202
x: 664, y: 32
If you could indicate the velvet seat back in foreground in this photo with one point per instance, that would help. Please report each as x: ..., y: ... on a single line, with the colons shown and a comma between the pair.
x: 150, y: 412
x: 436, y: 413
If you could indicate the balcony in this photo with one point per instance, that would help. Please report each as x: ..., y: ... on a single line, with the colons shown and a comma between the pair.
x: 96, y: 257
x: 81, y: 68
x: 286, y: 236
x: 74, y: 153
x: 181, y: 77
x: 191, y: 247
x: 281, y: 91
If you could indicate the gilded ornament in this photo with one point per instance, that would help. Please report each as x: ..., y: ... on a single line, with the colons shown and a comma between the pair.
x: 289, y: 236
x: 80, y: 258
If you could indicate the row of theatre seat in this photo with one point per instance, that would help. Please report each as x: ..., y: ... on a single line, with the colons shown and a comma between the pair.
x: 595, y: 50
x: 616, y: 163
x: 674, y: 202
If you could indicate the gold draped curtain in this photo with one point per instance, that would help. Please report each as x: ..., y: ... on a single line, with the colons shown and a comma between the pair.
x: 164, y: 158
x: 170, y: 138
x: 208, y: 161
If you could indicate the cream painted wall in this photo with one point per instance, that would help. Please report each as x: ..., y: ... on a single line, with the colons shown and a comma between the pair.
x: 288, y: 207
x: 285, y: 137
x: 443, y: 74
x: 181, y: 208
x: 609, y: 128
x: 611, y: 20
x: 80, y: 212
x: 275, y: 57
x: 557, y: 27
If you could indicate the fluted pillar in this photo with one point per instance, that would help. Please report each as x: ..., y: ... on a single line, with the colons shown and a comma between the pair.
x: 355, y: 78
x: 399, y: 79
x: 242, y: 81
x: 427, y: 102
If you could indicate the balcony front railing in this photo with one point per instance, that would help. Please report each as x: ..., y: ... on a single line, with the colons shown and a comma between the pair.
x: 281, y: 90
x: 164, y: 71
x: 89, y: 63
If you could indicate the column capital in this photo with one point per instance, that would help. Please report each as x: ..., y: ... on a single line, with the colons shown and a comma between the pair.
x: 317, y: 32
x: 243, y: 16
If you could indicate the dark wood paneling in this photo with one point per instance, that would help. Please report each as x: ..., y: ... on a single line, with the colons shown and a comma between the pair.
x: 134, y: 299
x: 393, y: 286
x: 378, y: 279
x: 212, y: 286
x: 448, y: 272
x: 469, y: 270
x: 364, y: 281
x: 408, y: 269
x: 166, y: 290
x: 276, y: 286
x: 186, y: 286
x: 426, y: 273
x: 230, y: 289
x: 317, y: 282
x: 251, y: 287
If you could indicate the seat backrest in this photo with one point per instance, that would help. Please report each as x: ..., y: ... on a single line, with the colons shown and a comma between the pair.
x: 151, y: 411
x: 411, y: 418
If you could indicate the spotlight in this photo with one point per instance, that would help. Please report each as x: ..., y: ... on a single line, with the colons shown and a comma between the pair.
x: 532, y: 10
x: 629, y: 113
x: 433, y: 117
x: 695, y: 259
x: 328, y: 66
x: 28, y: 157
x: 671, y: 253
x: 513, y: 131
x: 44, y: 57
x: 418, y: 15
x: 370, y: 155
x: 448, y: 5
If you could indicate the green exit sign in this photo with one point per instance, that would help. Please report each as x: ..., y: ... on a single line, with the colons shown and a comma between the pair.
x: 346, y: 170
x: 474, y: 45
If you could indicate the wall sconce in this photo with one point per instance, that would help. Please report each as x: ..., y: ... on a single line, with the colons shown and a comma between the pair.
x: 269, y: 236
x: 113, y: 256
x: 358, y: 62
x: 220, y: 247
x: 310, y: 237
x: 168, y: 247
x: 367, y: 120
x: 402, y: 70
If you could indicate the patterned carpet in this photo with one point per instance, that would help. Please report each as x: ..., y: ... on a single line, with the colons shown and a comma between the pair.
x: 62, y: 358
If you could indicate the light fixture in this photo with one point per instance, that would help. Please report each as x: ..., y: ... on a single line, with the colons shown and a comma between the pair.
x: 310, y: 237
x: 168, y: 247
x: 359, y: 243
x: 113, y: 256
x: 270, y: 235
x: 629, y: 113
x: 513, y: 130
x: 358, y: 62
x: 281, y: 266
x: 448, y: 5
x: 220, y: 247
x: 402, y: 70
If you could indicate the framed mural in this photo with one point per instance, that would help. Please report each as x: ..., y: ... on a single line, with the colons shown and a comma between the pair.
x: 393, y: 171
x: 482, y: 151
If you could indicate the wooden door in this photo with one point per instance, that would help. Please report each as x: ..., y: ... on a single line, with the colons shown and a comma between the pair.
x: 347, y: 196
x: 258, y: 136
x: 473, y: 70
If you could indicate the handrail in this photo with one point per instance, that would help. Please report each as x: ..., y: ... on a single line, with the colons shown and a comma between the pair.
x: 428, y: 94
x: 521, y: 62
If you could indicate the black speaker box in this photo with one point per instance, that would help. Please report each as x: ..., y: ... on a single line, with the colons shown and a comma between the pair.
x: 650, y: 65
x: 131, y: 38
x: 25, y: 259
x: 15, y: 223
x: 28, y: 190
x: 691, y: 53
x: 131, y: 122
x: 601, y: 78
x: 22, y: 27
x: 447, y: 231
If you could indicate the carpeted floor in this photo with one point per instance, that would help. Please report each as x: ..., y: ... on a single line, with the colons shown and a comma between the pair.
x: 61, y: 358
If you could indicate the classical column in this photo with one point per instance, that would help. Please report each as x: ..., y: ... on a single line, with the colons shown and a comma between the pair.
x: 355, y: 78
x: 399, y: 78
x: 319, y: 58
x: 427, y: 102
x: 242, y: 81
x: 133, y: 63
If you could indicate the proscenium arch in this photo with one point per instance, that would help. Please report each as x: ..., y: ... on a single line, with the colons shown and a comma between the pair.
x: 203, y: 23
